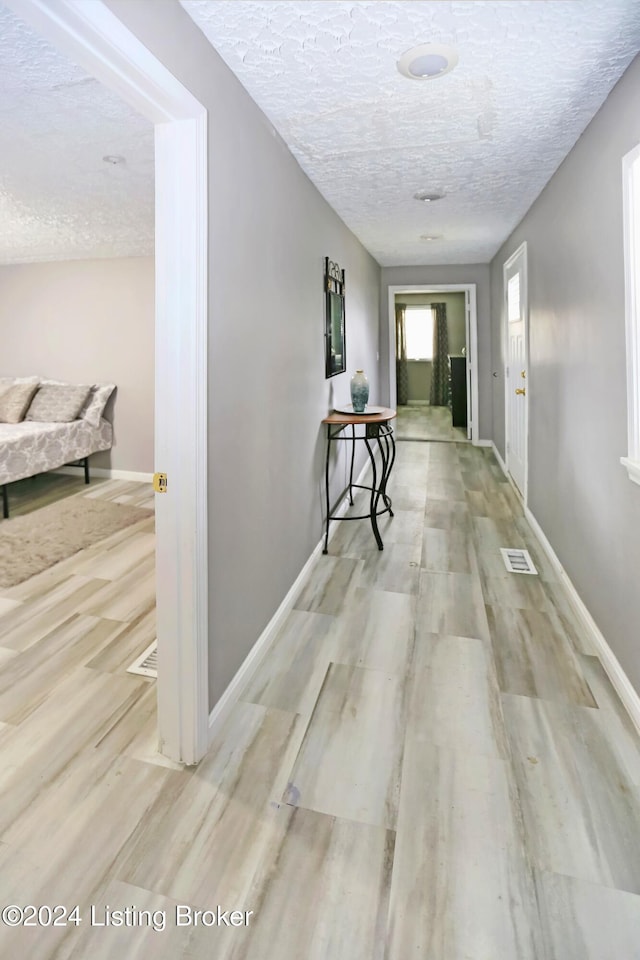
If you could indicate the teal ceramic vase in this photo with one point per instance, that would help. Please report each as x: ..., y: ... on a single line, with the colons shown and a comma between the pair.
x: 359, y: 391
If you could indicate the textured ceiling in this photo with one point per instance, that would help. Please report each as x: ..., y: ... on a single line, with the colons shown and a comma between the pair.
x: 489, y: 134
x: 58, y: 198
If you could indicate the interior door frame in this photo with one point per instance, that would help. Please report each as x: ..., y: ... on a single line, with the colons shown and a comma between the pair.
x: 94, y: 38
x: 471, y: 323
x: 519, y: 254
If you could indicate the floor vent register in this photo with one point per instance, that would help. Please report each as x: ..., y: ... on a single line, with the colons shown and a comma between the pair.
x: 146, y: 665
x: 517, y: 561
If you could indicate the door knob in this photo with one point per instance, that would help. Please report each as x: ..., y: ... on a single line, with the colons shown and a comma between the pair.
x: 521, y: 390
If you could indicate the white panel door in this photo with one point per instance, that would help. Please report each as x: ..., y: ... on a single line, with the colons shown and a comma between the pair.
x: 515, y: 282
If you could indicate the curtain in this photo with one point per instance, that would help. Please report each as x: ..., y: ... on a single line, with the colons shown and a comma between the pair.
x: 402, y: 368
x: 440, y: 365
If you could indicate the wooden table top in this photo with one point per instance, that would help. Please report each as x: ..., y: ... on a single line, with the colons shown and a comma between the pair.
x: 336, y: 418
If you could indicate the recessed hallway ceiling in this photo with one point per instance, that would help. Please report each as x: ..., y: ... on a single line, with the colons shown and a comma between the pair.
x: 488, y: 135
x: 58, y: 198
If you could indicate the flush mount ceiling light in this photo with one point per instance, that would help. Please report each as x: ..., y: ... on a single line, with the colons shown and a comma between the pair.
x: 426, y: 197
x: 431, y: 236
x: 113, y: 159
x: 427, y: 61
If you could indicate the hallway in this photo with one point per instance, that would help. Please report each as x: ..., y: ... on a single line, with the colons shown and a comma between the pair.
x: 429, y: 762
x: 427, y: 423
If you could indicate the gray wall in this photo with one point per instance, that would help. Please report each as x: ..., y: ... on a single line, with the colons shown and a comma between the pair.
x: 88, y: 321
x: 471, y: 273
x: 418, y: 381
x: 269, y: 232
x: 578, y: 490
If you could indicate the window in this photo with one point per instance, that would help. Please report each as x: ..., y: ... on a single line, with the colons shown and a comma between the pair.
x: 419, y: 332
x: 631, y: 186
x: 513, y: 298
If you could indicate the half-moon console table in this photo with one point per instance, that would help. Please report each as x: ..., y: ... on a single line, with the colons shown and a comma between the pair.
x: 376, y: 428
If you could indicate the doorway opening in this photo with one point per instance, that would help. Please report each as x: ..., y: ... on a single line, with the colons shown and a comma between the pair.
x: 95, y: 39
x: 433, y: 361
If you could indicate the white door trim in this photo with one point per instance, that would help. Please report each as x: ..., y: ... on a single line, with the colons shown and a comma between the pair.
x: 521, y: 252
x: 631, y: 203
x: 93, y: 37
x: 470, y: 288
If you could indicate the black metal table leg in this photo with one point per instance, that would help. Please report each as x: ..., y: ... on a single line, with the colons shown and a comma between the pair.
x: 353, y: 457
x: 388, y: 459
x: 5, y: 502
x: 383, y: 473
x: 375, y: 495
x: 393, y: 450
x: 326, y: 487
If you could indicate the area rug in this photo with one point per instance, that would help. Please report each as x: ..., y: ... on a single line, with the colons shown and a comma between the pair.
x: 34, y: 542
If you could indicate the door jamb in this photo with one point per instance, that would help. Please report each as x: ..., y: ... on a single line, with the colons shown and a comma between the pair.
x: 94, y: 38
x: 473, y: 421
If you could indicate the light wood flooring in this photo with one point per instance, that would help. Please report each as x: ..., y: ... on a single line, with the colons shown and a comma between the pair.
x: 430, y: 761
x: 427, y: 423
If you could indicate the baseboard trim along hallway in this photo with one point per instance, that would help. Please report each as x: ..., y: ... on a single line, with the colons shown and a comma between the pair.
x: 262, y: 645
x: 108, y: 473
x: 622, y: 685
x: 629, y: 696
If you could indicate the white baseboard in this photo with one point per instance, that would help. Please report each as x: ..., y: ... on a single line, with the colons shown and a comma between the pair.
x: 258, y: 651
x: 501, y: 462
x: 106, y: 472
x: 262, y: 645
x: 620, y: 681
x: 503, y: 467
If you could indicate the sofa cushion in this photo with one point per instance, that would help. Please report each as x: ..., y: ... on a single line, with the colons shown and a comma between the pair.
x: 96, y: 402
x: 15, y: 401
x: 57, y: 403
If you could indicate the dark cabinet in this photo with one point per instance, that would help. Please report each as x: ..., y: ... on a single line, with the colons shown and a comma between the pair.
x: 458, y: 390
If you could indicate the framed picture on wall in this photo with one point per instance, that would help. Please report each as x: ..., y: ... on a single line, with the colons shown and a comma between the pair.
x: 334, y: 335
